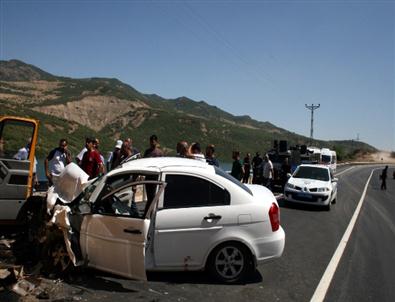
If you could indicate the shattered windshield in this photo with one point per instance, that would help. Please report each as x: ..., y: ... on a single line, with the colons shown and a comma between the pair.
x: 85, y: 195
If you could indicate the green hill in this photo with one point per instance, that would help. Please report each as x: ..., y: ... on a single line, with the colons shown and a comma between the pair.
x: 109, y: 109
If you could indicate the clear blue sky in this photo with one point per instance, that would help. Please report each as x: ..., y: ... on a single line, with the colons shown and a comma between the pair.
x: 266, y: 59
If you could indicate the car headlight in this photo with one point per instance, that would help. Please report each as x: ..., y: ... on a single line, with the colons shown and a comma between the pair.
x: 290, y: 186
x: 323, y: 190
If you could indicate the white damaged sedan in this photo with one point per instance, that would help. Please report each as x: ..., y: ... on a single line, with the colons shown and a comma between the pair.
x: 312, y: 184
x: 171, y: 214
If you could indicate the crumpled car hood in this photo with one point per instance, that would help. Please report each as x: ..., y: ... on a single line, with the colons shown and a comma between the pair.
x: 70, y: 184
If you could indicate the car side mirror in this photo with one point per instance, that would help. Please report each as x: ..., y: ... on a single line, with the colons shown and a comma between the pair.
x: 335, y: 179
x: 289, y: 175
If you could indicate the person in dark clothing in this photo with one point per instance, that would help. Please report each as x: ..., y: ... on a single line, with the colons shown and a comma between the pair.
x: 237, y: 167
x: 383, y: 177
x: 247, y: 168
x: 182, y: 149
x: 115, y: 157
x: 210, y: 157
x: 257, y: 169
x: 154, y: 149
x: 285, y: 170
x: 128, y: 151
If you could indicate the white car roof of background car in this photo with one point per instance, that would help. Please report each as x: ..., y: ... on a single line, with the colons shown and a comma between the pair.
x: 159, y: 163
x: 314, y: 166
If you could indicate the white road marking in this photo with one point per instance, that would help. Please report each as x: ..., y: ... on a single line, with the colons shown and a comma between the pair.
x: 326, y: 279
x: 342, y: 172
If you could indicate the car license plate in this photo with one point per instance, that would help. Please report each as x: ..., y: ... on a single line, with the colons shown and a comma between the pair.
x: 304, y: 195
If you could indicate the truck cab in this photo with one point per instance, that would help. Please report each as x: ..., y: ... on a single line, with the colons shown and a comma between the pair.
x: 18, y: 138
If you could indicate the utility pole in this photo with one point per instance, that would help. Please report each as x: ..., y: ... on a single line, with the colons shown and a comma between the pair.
x: 312, y: 108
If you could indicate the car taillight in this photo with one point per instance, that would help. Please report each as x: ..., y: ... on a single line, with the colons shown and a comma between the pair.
x: 274, y: 214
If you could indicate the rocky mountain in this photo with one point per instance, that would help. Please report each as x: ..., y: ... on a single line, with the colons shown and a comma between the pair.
x: 109, y: 109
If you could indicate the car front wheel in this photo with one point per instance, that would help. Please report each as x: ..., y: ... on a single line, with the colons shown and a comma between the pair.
x: 230, y: 262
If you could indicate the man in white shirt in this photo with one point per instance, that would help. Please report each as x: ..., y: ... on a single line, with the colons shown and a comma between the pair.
x: 23, y: 153
x: 80, y: 155
x: 268, y: 172
x: 56, y: 160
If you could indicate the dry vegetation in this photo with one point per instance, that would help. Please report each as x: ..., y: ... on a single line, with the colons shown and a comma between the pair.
x: 94, y: 111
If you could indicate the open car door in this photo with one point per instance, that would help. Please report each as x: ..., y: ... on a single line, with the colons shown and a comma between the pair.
x: 114, y: 237
x: 18, y: 137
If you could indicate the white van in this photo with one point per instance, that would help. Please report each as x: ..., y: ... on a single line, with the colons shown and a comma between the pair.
x: 328, y: 158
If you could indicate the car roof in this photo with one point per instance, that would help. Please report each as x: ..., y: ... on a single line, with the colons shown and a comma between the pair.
x: 314, y: 166
x: 160, y: 163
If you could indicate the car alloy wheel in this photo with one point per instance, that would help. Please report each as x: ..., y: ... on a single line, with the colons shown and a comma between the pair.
x: 230, y: 262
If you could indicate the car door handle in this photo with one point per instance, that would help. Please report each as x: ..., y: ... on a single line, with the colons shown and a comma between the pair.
x: 212, y: 216
x: 132, y: 231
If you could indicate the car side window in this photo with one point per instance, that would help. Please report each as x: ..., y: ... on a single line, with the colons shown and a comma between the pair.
x: 126, y: 199
x: 183, y: 191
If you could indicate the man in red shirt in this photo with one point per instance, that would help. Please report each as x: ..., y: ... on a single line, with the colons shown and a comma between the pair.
x: 91, y: 162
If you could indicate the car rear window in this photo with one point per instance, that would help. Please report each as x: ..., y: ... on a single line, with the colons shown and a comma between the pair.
x: 184, y: 191
x: 222, y: 173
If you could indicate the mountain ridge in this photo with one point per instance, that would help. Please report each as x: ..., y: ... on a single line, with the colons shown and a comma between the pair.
x: 110, y: 109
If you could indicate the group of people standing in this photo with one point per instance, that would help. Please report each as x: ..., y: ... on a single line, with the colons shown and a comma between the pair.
x: 262, y: 169
x: 89, y: 158
x: 92, y: 161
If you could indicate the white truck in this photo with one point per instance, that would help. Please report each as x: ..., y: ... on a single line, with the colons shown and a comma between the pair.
x: 18, y: 138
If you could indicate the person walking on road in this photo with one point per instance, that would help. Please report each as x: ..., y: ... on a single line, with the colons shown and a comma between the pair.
x: 383, y: 177
x: 56, y: 161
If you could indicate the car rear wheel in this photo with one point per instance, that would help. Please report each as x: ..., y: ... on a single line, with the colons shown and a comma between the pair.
x: 230, y: 262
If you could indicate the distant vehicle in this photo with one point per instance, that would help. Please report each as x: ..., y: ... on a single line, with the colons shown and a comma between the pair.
x: 313, y: 156
x: 18, y: 137
x: 312, y: 184
x: 328, y: 157
x: 175, y: 214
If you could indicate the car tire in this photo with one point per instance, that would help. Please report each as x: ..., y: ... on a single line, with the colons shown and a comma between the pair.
x: 328, y: 206
x: 31, y: 218
x: 230, y: 262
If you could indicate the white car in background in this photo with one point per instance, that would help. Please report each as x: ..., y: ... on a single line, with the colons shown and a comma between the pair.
x: 312, y: 184
x: 173, y: 214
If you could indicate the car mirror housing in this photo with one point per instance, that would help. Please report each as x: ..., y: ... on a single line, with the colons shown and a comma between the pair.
x: 289, y: 175
x: 335, y: 179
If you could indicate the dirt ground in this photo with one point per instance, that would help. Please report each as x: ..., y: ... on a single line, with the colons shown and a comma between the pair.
x: 378, y: 157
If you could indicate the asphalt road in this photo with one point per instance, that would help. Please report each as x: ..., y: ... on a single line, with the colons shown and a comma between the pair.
x: 366, y: 271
